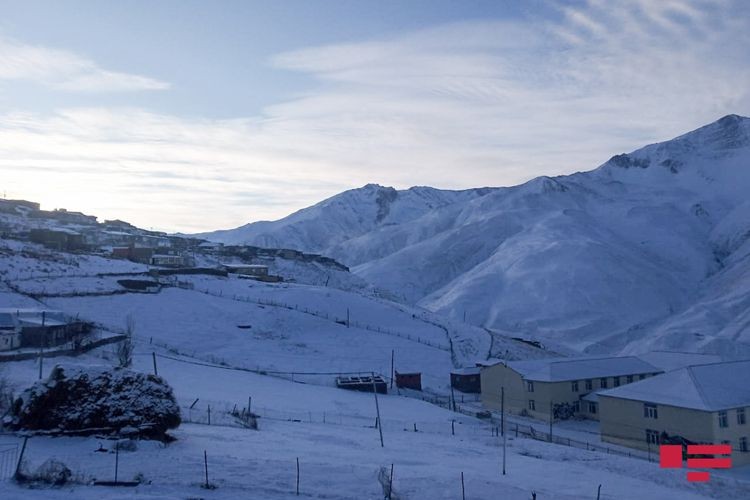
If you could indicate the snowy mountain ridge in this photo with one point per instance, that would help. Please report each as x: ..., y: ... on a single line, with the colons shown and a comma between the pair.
x: 650, y: 250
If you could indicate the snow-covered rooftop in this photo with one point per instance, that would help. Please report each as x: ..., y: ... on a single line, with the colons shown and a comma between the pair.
x: 562, y: 369
x: 10, y: 317
x: 711, y: 387
x: 669, y: 360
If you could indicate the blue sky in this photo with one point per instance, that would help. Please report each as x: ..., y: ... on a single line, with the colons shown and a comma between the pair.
x: 203, y: 115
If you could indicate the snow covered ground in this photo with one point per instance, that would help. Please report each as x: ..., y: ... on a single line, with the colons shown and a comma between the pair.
x: 341, y: 460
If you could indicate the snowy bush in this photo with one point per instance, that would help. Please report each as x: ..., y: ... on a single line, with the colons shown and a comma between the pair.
x: 91, y: 400
x: 52, y: 472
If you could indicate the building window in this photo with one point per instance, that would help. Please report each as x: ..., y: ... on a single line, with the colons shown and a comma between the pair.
x: 741, y: 416
x: 592, y: 407
x: 576, y: 406
x: 652, y: 436
x: 743, y: 444
x: 723, y: 420
x: 641, y: 376
x: 530, y: 386
x: 532, y: 405
x: 649, y: 410
x: 589, y: 385
x: 603, y: 382
x: 630, y: 379
x: 574, y: 386
x: 617, y: 381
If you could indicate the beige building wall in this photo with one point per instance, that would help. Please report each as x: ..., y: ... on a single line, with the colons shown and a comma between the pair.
x: 493, y: 379
x: 623, y: 422
x: 733, y: 432
x: 518, y: 395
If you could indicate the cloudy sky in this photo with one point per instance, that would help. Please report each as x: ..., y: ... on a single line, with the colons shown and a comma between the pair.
x: 192, y: 115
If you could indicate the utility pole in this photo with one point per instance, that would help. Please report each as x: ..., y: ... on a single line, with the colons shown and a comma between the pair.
x: 502, y: 410
x: 377, y: 409
x: 41, y: 344
x: 453, y: 397
x: 502, y: 422
x: 393, y: 373
x: 347, y: 317
x: 551, y: 418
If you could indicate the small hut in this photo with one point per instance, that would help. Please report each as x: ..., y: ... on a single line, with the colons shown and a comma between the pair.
x: 466, y: 380
x: 409, y: 381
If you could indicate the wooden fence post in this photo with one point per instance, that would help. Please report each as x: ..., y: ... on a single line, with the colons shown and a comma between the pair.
x: 20, y: 458
x: 205, y: 465
x: 390, y: 484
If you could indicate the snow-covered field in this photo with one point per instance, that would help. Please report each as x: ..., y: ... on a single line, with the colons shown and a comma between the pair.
x: 341, y: 459
x: 331, y: 431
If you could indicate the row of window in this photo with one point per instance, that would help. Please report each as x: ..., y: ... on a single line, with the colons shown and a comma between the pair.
x: 589, y: 383
x: 651, y: 411
x: 652, y: 437
x: 739, y: 414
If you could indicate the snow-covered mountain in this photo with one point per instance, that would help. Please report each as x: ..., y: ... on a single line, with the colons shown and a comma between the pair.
x: 650, y: 250
x: 345, y: 216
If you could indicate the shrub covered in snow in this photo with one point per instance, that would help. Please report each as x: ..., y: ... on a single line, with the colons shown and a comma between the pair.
x: 88, y: 400
x: 52, y: 472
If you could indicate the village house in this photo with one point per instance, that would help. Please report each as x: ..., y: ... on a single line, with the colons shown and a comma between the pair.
x: 707, y: 404
x: 38, y: 328
x: 247, y: 269
x: 171, y: 260
x: 135, y: 254
x: 466, y: 379
x: 13, y: 206
x: 557, y: 387
x: 58, y: 239
x: 10, y: 333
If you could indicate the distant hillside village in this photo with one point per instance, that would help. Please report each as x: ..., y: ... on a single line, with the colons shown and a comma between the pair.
x: 68, y: 231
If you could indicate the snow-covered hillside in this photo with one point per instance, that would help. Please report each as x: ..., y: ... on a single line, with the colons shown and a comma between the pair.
x: 345, y: 216
x: 648, y: 250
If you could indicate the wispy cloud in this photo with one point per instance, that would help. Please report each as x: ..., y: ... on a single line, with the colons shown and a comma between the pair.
x: 66, y: 70
x: 460, y: 105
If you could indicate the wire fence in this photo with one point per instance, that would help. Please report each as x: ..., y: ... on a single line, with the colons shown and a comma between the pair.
x: 8, y: 460
x: 528, y: 431
x: 222, y: 413
x: 330, y: 317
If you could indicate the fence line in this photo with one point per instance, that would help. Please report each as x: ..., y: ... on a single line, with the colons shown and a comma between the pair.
x: 326, y: 316
x: 8, y: 460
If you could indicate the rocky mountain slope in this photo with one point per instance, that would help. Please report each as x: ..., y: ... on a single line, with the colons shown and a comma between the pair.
x: 650, y: 250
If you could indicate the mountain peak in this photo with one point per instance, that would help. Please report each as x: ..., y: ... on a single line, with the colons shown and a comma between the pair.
x: 729, y: 132
x: 717, y: 139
